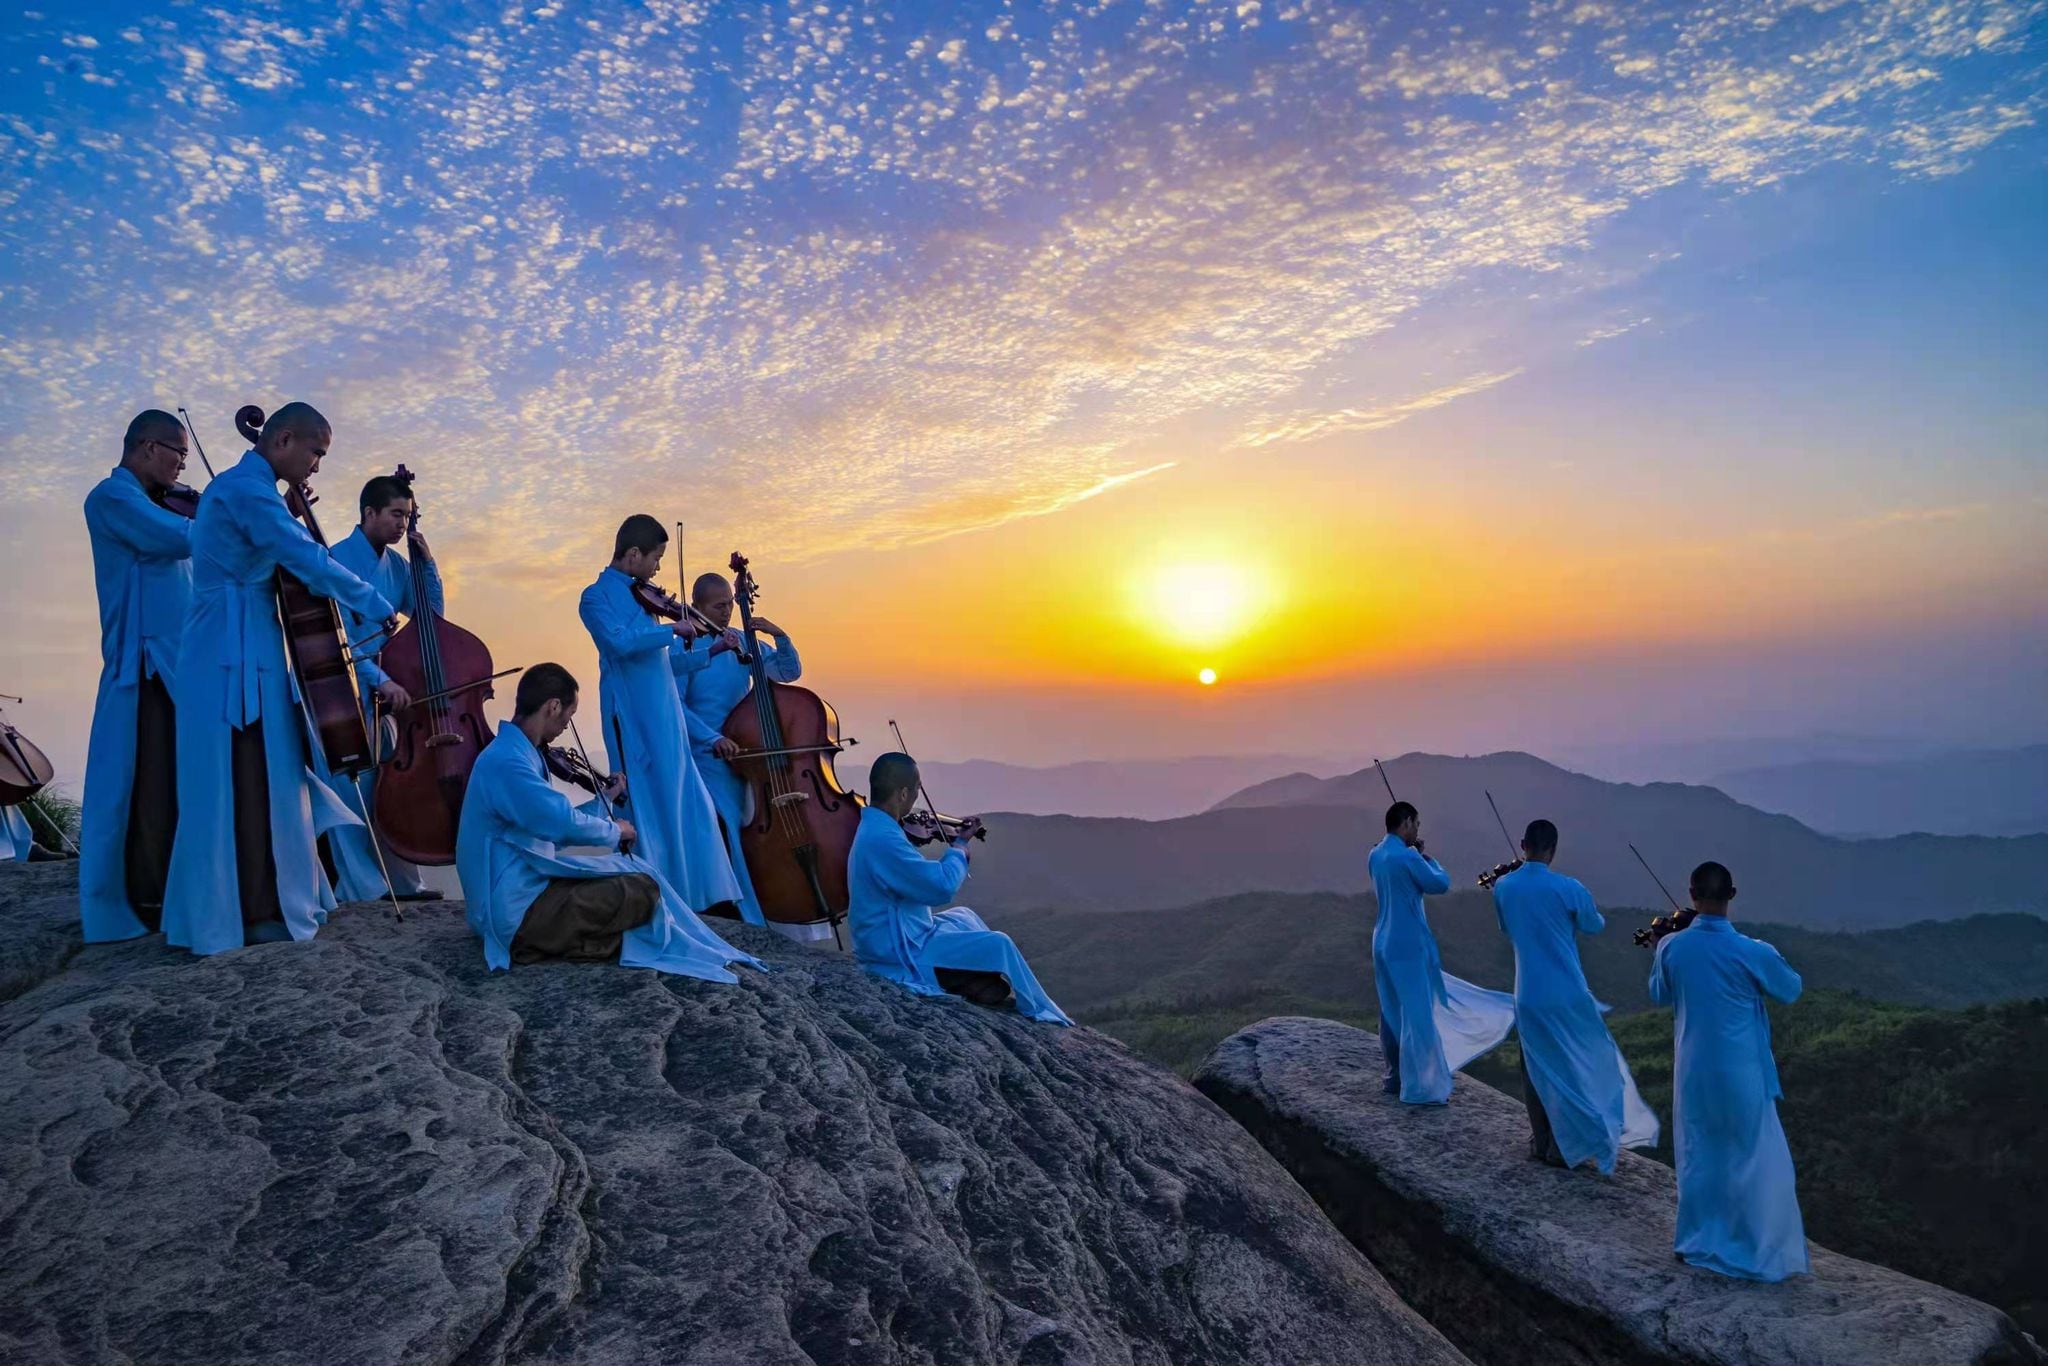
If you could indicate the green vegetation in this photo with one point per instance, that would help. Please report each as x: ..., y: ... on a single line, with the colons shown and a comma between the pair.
x: 52, y: 819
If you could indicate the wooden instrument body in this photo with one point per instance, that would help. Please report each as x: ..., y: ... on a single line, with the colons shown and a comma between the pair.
x: 316, y: 644
x: 24, y: 769
x: 420, y: 788
x: 796, y: 857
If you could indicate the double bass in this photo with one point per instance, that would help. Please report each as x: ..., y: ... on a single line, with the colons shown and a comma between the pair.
x: 420, y: 787
x: 801, y: 835
x: 316, y: 643
x: 25, y: 771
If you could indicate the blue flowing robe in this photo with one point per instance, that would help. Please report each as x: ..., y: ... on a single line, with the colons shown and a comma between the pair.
x: 232, y: 672
x: 141, y: 566
x: 892, y: 889
x: 358, y: 876
x: 1579, y: 1073
x: 670, y: 807
x: 505, y: 854
x: 1738, y: 1206
x: 711, y: 686
x: 17, y: 838
x: 1431, y: 1023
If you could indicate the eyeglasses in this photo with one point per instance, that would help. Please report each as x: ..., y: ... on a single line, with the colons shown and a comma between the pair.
x: 182, y: 452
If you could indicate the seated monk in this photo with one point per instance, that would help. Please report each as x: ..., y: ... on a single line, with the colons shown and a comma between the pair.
x: 891, y: 890
x: 529, y: 903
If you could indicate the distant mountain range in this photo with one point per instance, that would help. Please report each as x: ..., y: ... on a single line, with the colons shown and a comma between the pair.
x: 1146, y: 789
x: 1300, y: 833
x: 1976, y: 792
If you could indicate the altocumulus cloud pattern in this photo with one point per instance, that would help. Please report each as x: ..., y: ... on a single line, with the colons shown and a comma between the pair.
x: 942, y: 265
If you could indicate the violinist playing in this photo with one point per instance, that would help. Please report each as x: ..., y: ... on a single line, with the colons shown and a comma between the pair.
x: 892, y: 889
x: 639, y: 632
x: 712, y: 683
x: 245, y: 865
x: 385, y: 508
x: 529, y: 902
x: 142, y: 569
x: 1583, y: 1105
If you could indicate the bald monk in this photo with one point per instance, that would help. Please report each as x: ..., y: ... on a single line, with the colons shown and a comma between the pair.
x: 712, y: 684
x: 142, y: 571
x: 892, y: 888
x: 245, y: 865
x: 529, y: 902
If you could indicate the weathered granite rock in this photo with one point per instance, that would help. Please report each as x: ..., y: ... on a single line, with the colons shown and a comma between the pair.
x: 1519, y: 1262
x: 367, y: 1149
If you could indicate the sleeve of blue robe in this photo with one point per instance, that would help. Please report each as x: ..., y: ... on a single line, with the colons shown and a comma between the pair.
x: 1774, y: 976
x: 1425, y: 872
x: 625, y: 631
x: 913, y: 877
x: 528, y: 802
x: 275, y: 532
x: 128, y: 514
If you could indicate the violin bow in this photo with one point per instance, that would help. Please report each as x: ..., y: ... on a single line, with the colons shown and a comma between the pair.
x: 197, y: 448
x: 1385, y: 779
x: 1514, y: 854
x: 1654, y: 878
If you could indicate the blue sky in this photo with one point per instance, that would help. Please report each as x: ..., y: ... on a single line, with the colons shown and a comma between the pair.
x: 1760, y: 270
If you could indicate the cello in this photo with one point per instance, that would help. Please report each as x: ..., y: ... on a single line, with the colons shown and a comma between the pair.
x: 316, y: 643
x: 420, y: 787
x: 25, y: 771
x: 801, y: 835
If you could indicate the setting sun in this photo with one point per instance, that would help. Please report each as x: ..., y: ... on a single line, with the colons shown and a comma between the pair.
x: 1203, y: 603
x: 1207, y: 676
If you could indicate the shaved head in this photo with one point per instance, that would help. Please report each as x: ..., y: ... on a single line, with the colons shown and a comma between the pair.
x: 152, y: 424
x: 296, y: 419
x: 706, y: 586
x: 891, y: 775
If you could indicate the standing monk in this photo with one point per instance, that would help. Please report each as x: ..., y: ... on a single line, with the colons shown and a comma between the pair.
x: 385, y: 508
x: 1431, y: 1023
x: 246, y: 865
x: 643, y: 721
x: 1738, y: 1208
x: 1583, y: 1105
x: 528, y: 902
x: 712, y: 684
x: 142, y: 569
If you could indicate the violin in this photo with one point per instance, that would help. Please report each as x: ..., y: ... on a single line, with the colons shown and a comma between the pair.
x: 1663, y: 925
x: 798, y: 843
x: 182, y: 499
x: 571, y: 767
x: 657, y: 602
x: 24, y: 769
x: 419, y: 792
x: 316, y: 643
x: 927, y: 827
x: 1496, y: 873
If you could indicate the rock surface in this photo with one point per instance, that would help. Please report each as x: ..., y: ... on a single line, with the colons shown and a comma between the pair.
x: 1519, y: 1262
x: 367, y: 1149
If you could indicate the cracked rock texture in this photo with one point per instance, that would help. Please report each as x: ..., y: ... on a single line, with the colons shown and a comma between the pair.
x: 1519, y: 1262
x: 367, y: 1149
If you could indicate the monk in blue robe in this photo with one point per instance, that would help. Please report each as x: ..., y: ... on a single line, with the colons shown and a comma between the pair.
x: 246, y: 865
x: 892, y: 889
x: 528, y: 901
x: 1738, y: 1206
x: 711, y: 685
x: 642, y: 716
x: 385, y: 509
x: 1583, y: 1104
x: 1431, y: 1023
x: 142, y: 569
x: 18, y: 838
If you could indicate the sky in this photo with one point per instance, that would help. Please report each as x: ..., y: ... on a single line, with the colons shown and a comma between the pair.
x: 1447, y: 377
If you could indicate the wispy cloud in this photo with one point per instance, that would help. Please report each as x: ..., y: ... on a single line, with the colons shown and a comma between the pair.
x: 931, y: 269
